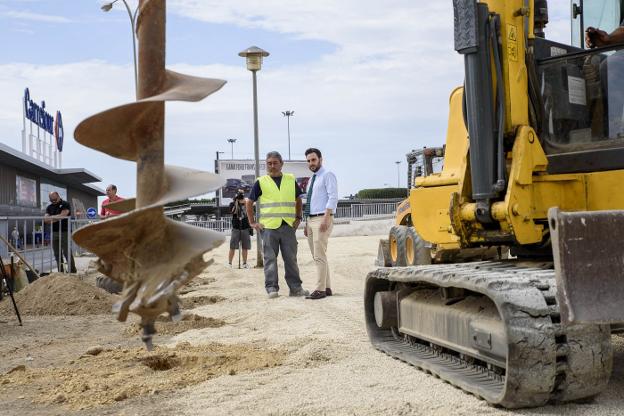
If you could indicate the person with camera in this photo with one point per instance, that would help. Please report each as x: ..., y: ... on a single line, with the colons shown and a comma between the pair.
x: 241, y: 230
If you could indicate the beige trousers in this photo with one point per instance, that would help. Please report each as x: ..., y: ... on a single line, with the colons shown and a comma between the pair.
x: 317, y: 241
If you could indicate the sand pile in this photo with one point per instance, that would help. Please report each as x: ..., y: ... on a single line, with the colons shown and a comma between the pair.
x: 164, y: 326
x: 118, y: 374
x: 59, y: 294
x: 192, y: 302
x: 195, y: 284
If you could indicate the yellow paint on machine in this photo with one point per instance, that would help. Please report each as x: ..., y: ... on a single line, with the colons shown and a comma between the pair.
x: 430, y: 200
x: 403, y: 213
x: 531, y: 191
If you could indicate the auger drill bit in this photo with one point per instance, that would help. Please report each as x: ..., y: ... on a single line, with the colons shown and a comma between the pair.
x: 150, y: 254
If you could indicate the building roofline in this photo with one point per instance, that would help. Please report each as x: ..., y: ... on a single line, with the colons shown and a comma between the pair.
x: 79, y: 178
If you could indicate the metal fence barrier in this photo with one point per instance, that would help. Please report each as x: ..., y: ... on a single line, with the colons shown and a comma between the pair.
x: 366, y: 210
x: 355, y: 211
x: 49, y: 247
x: 222, y: 225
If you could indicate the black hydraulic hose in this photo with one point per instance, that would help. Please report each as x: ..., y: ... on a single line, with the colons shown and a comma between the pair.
x: 500, y: 184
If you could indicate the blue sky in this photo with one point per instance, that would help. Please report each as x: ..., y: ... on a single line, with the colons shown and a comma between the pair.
x: 368, y: 80
x: 64, y: 31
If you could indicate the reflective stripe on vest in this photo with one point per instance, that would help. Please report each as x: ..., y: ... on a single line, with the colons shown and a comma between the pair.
x: 277, y: 204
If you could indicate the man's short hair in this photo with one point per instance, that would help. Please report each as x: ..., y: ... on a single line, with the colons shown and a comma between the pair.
x: 314, y: 150
x: 274, y: 154
x: 111, y: 186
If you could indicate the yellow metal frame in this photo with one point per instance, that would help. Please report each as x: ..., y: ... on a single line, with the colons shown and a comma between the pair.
x: 441, y: 207
x: 403, y: 213
x: 430, y: 199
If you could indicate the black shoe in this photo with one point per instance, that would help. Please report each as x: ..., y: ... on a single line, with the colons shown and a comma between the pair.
x: 328, y: 292
x: 317, y: 294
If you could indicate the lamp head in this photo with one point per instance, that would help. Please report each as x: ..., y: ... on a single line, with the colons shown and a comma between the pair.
x: 253, y: 57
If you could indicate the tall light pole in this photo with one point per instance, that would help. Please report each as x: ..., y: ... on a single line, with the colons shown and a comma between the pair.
x: 253, y: 57
x: 232, y: 141
x: 288, y: 114
x: 217, y: 199
x: 398, y: 163
x: 132, y: 15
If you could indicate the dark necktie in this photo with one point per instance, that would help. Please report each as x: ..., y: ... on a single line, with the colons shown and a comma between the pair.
x: 306, y: 212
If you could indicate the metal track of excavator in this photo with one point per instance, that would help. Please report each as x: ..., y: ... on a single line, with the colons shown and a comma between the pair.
x: 545, y: 361
x: 152, y: 256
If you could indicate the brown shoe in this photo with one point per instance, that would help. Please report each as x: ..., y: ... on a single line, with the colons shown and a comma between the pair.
x: 317, y: 294
x: 328, y: 292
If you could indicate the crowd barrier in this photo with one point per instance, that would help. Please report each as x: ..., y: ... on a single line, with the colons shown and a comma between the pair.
x: 39, y: 243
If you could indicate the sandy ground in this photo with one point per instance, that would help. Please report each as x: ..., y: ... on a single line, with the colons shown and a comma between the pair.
x: 286, y: 356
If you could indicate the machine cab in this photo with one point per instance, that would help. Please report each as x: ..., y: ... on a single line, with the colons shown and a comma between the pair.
x: 580, y: 111
x: 604, y: 14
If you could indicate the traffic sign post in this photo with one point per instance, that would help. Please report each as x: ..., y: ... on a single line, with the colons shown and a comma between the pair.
x: 91, y: 213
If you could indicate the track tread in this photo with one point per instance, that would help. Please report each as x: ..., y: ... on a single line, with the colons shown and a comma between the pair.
x: 546, y: 362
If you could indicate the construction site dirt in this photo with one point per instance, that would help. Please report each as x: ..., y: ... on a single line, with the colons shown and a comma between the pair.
x: 237, y: 352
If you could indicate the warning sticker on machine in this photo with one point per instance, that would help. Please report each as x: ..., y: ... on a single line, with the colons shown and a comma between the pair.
x: 512, y: 33
x: 576, y: 91
x: 512, y: 43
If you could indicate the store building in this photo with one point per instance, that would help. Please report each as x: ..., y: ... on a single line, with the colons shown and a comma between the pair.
x: 25, y: 183
x: 27, y: 177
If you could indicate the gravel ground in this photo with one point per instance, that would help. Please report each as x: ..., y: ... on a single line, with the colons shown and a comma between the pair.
x: 332, y: 369
x: 327, y: 365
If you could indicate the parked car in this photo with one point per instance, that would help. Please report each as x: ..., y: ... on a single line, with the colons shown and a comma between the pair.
x: 250, y: 179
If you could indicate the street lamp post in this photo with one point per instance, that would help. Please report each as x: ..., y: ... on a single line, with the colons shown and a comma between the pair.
x: 288, y: 114
x: 232, y: 141
x: 253, y: 57
x: 398, y: 163
x: 217, y: 199
x: 107, y: 7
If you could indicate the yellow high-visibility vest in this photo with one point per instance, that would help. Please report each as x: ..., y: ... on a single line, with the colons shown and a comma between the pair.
x: 277, y: 204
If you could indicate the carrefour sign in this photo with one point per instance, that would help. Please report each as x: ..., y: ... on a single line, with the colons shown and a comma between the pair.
x: 37, y: 114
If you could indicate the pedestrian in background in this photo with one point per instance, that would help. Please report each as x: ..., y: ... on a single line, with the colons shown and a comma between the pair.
x: 15, y: 237
x: 57, y: 214
x: 279, y: 199
x: 240, y: 230
x: 111, y: 193
x: 321, y: 204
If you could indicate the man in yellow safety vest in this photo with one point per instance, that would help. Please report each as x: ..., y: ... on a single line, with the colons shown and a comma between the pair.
x: 279, y: 215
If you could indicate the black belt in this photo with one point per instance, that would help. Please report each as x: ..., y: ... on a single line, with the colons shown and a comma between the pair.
x: 318, y: 215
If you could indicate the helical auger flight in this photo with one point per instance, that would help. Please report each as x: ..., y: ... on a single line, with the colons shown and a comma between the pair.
x: 150, y: 254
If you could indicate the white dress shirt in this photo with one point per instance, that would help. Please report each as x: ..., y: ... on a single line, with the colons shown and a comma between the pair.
x: 324, y: 193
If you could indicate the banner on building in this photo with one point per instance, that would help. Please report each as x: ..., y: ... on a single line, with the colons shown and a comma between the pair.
x: 239, y: 174
x: 26, y: 191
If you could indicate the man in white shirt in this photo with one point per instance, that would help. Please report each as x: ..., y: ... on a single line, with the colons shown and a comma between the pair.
x: 319, y: 212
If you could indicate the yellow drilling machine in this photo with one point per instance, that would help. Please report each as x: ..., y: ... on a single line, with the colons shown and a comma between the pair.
x: 504, y: 273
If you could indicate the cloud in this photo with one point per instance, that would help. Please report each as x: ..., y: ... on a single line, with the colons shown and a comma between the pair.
x: 38, y: 17
x: 382, y: 91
